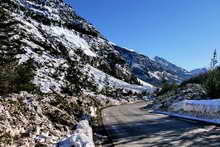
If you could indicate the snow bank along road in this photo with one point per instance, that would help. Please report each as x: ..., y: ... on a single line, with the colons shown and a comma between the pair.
x: 129, y: 126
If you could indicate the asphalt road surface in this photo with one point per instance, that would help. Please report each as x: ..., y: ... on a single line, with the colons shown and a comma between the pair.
x: 129, y: 126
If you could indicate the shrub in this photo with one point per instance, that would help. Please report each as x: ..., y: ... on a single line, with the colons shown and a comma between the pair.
x: 16, y: 78
x: 196, y: 80
x: 210, y: 81
x: 166, y: 87
x: 78, y: 79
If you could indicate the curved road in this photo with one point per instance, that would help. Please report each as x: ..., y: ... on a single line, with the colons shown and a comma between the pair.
x: 129, y: 126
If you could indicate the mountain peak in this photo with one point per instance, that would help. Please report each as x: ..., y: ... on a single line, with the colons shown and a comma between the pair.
x: 168, y: 64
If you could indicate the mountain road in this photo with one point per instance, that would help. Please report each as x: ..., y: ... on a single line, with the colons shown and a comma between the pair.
x: 131, y: 126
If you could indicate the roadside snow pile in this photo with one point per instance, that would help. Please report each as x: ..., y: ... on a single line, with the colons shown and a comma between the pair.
x: 204, y: 110
x: 82, y: 137
x: 199, y: 106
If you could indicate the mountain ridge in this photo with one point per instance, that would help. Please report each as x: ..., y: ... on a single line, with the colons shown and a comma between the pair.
x: 199, y: 71
x: 153, y: 70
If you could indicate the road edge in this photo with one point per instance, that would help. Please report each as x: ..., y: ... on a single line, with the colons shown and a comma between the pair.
x: 186, y: 117
x: 111, y: 143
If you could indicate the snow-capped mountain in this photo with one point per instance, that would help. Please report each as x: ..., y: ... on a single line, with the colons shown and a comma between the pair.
x: 58, y: 39
x: 199, y: 71
x: 155, y: 70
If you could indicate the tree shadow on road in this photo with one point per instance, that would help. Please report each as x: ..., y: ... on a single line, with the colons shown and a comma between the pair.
x: 164, y: 132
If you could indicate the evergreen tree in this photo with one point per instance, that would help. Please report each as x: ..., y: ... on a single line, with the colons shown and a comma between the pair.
x: 78, y: 78
x: 107, y: 89
x: 74, y: 76
x: 214, y: 60
x: 212, y: 83
x: 106, y: 80
x: 14, y: 77
x: 9, y: 42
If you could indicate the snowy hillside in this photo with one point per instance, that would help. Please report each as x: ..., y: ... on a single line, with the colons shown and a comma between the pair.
x: 55, y: 37
x: 155, y: 70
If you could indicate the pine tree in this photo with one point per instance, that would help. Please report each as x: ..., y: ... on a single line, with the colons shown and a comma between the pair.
x: 107, y: 88
x: 78, y: 79
x: 106, y: 80
x: 14, y: 77
x: 214, y: 60
x: 75, y: 81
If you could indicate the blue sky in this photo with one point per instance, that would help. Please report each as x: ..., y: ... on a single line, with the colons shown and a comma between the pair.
x: 185, y: 32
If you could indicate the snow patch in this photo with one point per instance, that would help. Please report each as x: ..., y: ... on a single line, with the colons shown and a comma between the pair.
x: 100, y: 80
x: 156, y: 74
x: 145, y: 83
x: 93, y: 111
x: 131, y: 50
x: 82, y: 137
x: 112, y: 43
x: 73, y: 40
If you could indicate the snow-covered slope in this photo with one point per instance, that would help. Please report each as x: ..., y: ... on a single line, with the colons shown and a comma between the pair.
x: 155, y: 70
x: 100, y: 78
x: 55, y: 37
